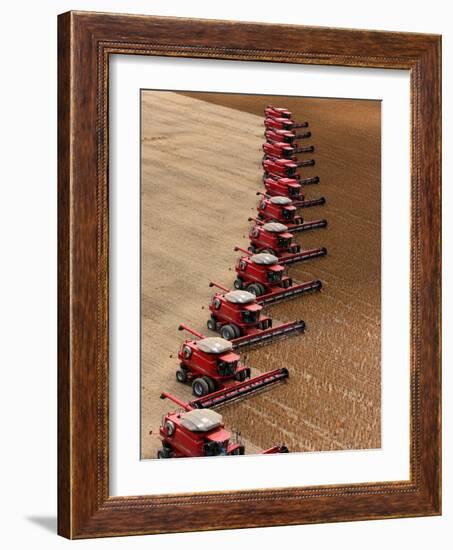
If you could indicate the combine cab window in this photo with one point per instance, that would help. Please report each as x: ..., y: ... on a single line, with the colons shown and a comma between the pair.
x: 216, y: 448
x: 283, y: 243
x: 288, y: 214
x: 227, y: 369
x: 249, y: 316
x: 291, y: 171
x: 274, y: 276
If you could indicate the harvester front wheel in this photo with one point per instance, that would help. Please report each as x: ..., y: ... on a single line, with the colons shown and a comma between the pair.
x: 238, y: 284
x: 228, y: 332
x: 200, y: 387
x: 211, y: 384
x: 163, y: 453
x: 181, y: 376
x: 211, y: 324
x: 256, y: 289
x: 251, y: 249
x: 241, y: 376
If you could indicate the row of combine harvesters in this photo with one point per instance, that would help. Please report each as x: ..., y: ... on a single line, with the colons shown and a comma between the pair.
x: 213, y: 365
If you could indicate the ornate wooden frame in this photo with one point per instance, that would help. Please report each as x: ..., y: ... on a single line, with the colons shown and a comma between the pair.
x: 85, y: 41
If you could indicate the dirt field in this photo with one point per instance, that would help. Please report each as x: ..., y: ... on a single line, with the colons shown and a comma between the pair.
x: 200, y: 172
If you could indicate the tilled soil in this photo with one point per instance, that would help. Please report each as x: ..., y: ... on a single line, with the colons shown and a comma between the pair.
x: 201, y: 168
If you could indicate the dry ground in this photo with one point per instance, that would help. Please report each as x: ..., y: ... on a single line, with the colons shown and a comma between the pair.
x: 200, y: 171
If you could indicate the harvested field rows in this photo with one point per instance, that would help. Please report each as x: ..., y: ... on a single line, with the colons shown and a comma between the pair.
x: 199, y: 177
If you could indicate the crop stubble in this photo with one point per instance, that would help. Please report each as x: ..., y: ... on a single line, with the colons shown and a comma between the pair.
x: 201, y: 168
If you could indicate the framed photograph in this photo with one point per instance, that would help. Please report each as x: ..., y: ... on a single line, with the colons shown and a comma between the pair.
x: 249, y: 275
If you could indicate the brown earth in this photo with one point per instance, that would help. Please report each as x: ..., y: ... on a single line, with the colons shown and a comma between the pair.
x: 201, y: 168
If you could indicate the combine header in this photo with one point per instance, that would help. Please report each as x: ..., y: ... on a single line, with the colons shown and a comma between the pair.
x: 284, y: 135
x: 238, y: 317
x: 262, y: 275
x: 252, y: 386
x: 275, y: 238
x: 192, y: 432
x: 279, y: 150
x: 282, y: 209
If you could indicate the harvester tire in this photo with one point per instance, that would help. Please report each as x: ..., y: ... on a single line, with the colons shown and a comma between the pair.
x: 211, y: 384
x: 256, y: 289
x: 181, y: 376
x: 251, y: 249
x: 241, y: 376
x: 163, y: 453
x: 238, y: 284
x: 200, y: 387
x: 228, y: 332
x: 211, y: 324
x: 237, y: 452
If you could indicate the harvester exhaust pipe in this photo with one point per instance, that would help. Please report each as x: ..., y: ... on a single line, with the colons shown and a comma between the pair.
x: 182, y: 326
x: 185, y: 406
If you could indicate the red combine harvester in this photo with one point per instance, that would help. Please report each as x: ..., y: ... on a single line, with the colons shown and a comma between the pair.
x: 276, y: 239
x: 209, y: 363
x: 238, y: 317
x: 195, y: 433
x: 284, y: 135
x: 294, y: 227
x: 214, y: 368
x: 284, y: 167
x: 280, y: 112
x: 262, y: 275
x: 280, y: 150
x: 281, y: 123
x: 282, y: 209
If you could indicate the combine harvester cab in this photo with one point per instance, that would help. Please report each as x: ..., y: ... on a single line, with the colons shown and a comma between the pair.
x: 198, y: 431
x: 262, y: 275
x: 238, y: 317
x: 285, y: 136
x: 275, y: 238
x: 209, y: 363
